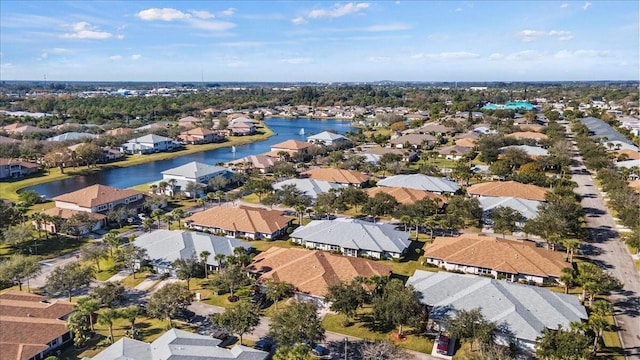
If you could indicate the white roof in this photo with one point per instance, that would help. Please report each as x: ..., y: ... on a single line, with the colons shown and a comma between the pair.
x: 354, y: 234
x: 421, y: 182
x: 530, y: 150
x: 310, y: 187
x: 71, y: 136
x: 326, y: 136
x: 166, y: 246
x: 527, y: 310
x: 528, y: 208
x: 628, y: 164
x: 150, y: 139
x: 195, y: 170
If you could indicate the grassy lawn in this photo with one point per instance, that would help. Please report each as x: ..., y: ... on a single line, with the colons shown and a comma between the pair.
x: 251, y: 198
x: 107, y: 268
x: 130, y: 282
x: 264, y: 245
x: 44, y: 248
x: 364, y: 328
x: 612, y: 346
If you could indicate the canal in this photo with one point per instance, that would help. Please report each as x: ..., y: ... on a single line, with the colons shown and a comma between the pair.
x: 284, y: 129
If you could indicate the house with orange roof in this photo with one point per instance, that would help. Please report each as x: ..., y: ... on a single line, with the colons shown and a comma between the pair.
x: 480, y: 254
x: 32, y: 327
x: 311, y: 272
x: 119, y: 131
x: 508, y: 189
x: 18, y: 128
x: 531, y: 127
x: 291, y: 147
x: 189, y: 122
x: 466, y: 142
x: 417, y: 141
x: 199, y: 135
x: 528, y: 135
x: 15, y: 168
x: 56, y: 213
x: 100, y: 199
x: 628, y: 154
x: 407, y: 195
x: 241, y: 221
x: 260, y: 162
x: 241, y: 129
x: 340, y: 176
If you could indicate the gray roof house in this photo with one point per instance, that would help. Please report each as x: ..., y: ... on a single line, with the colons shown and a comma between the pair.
x: 149, y: 144
x: 193, y: 172
x: 310, y: 187
x: 178, y: 344
x: 421, y: 182
x: 72, y: 136
x: 525, y: 310
x: 326, y: 138
x: 528, y: 208
x: 533, y: 151
x: 165, y: 246
x: 353, y: 237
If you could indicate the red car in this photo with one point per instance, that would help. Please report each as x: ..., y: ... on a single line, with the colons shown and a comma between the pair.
x: 442, y: 345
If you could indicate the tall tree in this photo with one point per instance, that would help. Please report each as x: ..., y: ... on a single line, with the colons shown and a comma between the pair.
x: 186, y: 268
x: 94, y: 252
x: 276, y: 291
x: 296, y: 323
x: 113, y: 240
x: 383, y: 350
x: 561, y: 344
x: 107, y: 317
x: 131, y: 256
x: 240, y: 319
x: 78, y: 324
x: 166, y: 302
x: 398, y: 305
x: 345, y: 298
x: 108, y: 293
x: 88, y: 307
x: 471, y: 325
x: 204, y: 255
x: 18, y: 269
x: 70, y: 277
x: 131, y: 314
x: 505, y: 219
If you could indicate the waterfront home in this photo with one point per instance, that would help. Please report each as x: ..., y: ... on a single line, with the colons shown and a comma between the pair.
x: 311, y: 272
x: 310, y: 187
x: 15, y: 168
x: 72, y: 136
x: 327, y: 138
x: 408, y: 196
x: 166, y: 246
x: 148, y: 144
x: 241, y: 128
x: 513, y: 260
x: 260, y: 162
x: 32, y: 326
x: 59, y: 215
x: 100, y: 199
x: 241, y: 221
x: 338, y: 176
x: 199, y: 135
x: 421, y: 182
x: 194, y: 171
x: 416, y: 141
x: 508, y: 189
x: 523, y: 309
x: 178, y: 344
x: 290, y: 147
x: 353, y: 237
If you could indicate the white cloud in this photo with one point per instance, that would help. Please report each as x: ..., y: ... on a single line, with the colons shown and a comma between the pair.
x: 563, y: 35
x: 379, y: 59
x: 496, y: 56
x: 524, y: 55
x: 299, y: 20
x: 135, y: 57
x: 457, y: 55
x: 586, y: 6
x: 212, y: 25
x: 228, y: 12
x: 44, y: 56
x: 237, y: 64
x: 119, y: 36
x: 389, y: 27
x: 458, y: 9
x: 529, y: 35
x: 115, y: 58
x: 202, y: 14
x: 164, y: 14
x: 564, y: 54
x: 60, y: 51
x: 83, y: 30
x: 338, y: 10
x: 296, y: 61
x: 564, y: 6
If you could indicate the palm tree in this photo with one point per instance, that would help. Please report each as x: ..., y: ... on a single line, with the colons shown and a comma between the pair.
x: 203, y: 201
x: 571, y: 245
x: 405, y: 219
x: 219, y: 194
x: 131, y: 313
x: 157, y: 213
x: 107, y: 317
x: 220, y: 258
x: 204, y: 255
x: 600, y: 310
x: 38, y: 220
x: 162, y: 186
x: 172, y: 183
x: 167, y: 218
x: 147, y: 223
x: 112, y: 239
x: 568, y: 278
x: 88, y: 306
x: 178, y: 214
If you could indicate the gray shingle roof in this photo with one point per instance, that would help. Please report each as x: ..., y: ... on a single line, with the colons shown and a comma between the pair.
x: 195, y: 170
x: 326, y: 135
x: 150, y: 139
x: 354, y: 234
x: 527, y: 310
x: 421, y: 182
x: 165, y: 246
x: 71, y: 136
x: 530, y: 150
x: 310, y: 187
x: 601, y: 128
x: 528, y: 208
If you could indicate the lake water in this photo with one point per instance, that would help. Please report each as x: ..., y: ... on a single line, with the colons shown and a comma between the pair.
x: 284, y: 129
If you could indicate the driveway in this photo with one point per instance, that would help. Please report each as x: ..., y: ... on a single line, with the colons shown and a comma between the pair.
x: 610, y: 252
x: 49, y: 265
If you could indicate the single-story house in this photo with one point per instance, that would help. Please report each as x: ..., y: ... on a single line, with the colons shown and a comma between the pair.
x: 199, y: 135
x: 407, y: 195
x: 119, y: 131
x: 72, y: 136
x: 339, y: 176
x: 528, y: 135
x: 311, y: 272
x: 532, y: 151
x: 527, y: 208
x: 8, y: 140
x: 178, y: 344
x: 421, y: 182
x: 192, y: 172
x: 241, y: 221
x: 18, y: 128
x: 508, y: 189
x: 434, y: 128
x: 353, y: 237
x: 189, y: 121
x: 513, y: 260
x: 260, y: 162
x: 453, y: 152
x: 147, y: 144
x: 523, y: 309
x: 407, y: 155
x: 100, y: 199
x: 32, y: 326
x: 327, y: 138
x: 166, y: 246
x: 417, y: 141
x: 290, y: 147
x: 310, y: 187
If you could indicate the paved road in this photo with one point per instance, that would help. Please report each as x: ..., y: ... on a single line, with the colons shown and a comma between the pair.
x: 49, y: 265
x: 612, y: 254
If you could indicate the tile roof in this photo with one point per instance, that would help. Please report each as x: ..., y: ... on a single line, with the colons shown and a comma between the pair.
x: 28, y: 324
x: 71, y: 136
x: 312, y: 271
x: 25, y: 164
x: 291, y: 144
x: 326, y: 136
x: 528, y: 135
x: 340, y: 176
x: 466, y: 142
x: 119, y: 131
x: 413, y: 139
x: 8, y: 140
x: 526, y: 310
x: 454, y: 150
x: 354, y: 234
x: 512, y: 256
x: 95, y: 195
x: 509, y: 189
x: 406, y: 195
x: 631, y: 154
x: 241, y: 218
x: 68, y: 213
x: 198, y: 131
x: 420, y: 182
x: 310, y: 187
x: 257, y: 161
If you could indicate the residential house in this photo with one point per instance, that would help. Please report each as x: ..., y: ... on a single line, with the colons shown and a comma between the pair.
x: 467, y: 142
x: 241, y: 129
x: 18, y: 128
x: 119, y: 131
x: 528, y: 135
x: 527, y: 208
x: 290, y: 147
x: 8, y: 140
x: 508, y: 189
x: 532, y: 151
x: 327, y: 138
x: 453, y: 152
x: 311, y: 272
x: 191, y: 172
x: 32, y: 326
x: 310, y: 187
x: 408, y: 196
x: 148, y: 144
x: 178, y: 344
x: 166, y: 246
x: 100, y: 199
x: 421, y: 182
x: 53, y: 226
x: 416, y: 141
x: 339, y: 176
x: 72, y: 136
x: 627, y: 154
x: 260, y: 162
x: 513, y: 260
x: 524, y: 310
x: 15, y: 168
x: 353, y: 237
x: 434, y: 129
x: 189, y: 122
x: 241, y: 221
x: 199, y: 135
x: 375, y: 154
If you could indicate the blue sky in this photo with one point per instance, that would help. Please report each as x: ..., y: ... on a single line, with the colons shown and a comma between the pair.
x: 319, y: 40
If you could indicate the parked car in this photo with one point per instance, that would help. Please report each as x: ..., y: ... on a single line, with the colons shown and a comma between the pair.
x: 264, y: 344
x: 442, y: 346
x: 320, y: 350
x: 220, y: 334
